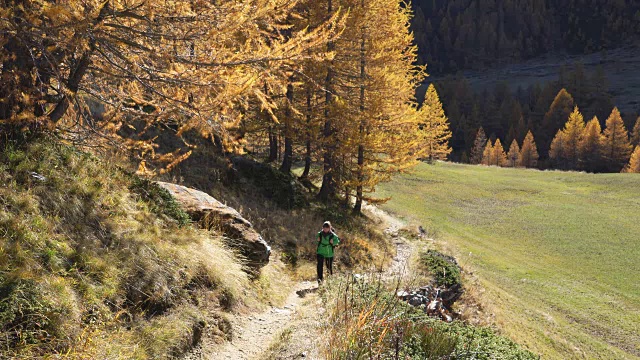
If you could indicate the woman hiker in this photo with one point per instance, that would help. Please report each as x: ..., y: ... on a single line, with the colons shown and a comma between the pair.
x: 327, y: 241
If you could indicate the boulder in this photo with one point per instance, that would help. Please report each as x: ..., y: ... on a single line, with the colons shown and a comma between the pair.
x: 210, y: 213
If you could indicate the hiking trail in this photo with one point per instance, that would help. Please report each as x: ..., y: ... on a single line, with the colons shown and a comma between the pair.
x: 291, y: 331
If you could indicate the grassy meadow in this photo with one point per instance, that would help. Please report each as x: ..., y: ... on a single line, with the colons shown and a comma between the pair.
x: 556, y: 253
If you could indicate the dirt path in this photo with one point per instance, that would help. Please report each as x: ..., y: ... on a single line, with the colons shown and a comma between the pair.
x: 399, y: 268
x: 256, y: 335
x: 291, y: 331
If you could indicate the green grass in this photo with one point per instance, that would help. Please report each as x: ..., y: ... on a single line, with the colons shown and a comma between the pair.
x: 558, y: 253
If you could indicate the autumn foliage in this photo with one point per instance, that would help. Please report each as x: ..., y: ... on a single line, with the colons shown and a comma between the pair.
x: 331, y: 81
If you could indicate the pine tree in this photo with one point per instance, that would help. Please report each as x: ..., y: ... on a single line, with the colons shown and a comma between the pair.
x: 498, y: 157
x: 634, y: 162
x: 514, y: 154
x: 487, y: 154
x: 528, y: 152
x: 590, y: 146
x: 635, y: 133
x: 434, y: 126
x: 615, y: 146
x: 477, y: 152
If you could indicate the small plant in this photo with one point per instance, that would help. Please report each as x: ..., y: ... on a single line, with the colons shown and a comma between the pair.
x: 160, y: 200
x: 444, y: 268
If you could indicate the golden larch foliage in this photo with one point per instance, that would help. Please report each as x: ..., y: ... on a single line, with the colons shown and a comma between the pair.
x: 635, y: 133
x: 616, y: 148
x: 513, y: 154
x: 589, y: 148
x: 528, y: 152
x: 498, y: 158
x: 487, y: 154
x: 634, y: 162
x: 434, y: 126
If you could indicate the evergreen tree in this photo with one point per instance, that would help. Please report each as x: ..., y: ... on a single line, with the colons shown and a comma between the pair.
x: 498, y: 158
x: 590, y: 146
x: 487, y: 154
x: 528, y: 152
x: 477, y: 152
x: 634, y: 162
x: 615, y: 146
x: 514, y: 154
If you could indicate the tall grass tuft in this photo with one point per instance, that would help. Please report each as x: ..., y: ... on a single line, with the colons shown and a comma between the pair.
x: 366, y: 321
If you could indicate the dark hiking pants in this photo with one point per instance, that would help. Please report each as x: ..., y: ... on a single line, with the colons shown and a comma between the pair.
x: 329, y: 263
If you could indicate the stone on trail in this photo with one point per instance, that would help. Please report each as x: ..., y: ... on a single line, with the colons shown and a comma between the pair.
x: 211, y: 213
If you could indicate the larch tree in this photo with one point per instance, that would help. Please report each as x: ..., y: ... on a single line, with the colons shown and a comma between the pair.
x: 195, y: 65
x: 615, y: 144
x: 487, y: 154
x: 590, y: 146
x: 434, y: 126
x: 513, y: 154
x: 479, y: 145
x: 498, y: 158
x: 635, y: 133
x: 528, y: 152
x: 376, y: 79
x: 572, y: 132
x: 557, y: 151
x: 328, y: 187
x: 554, y: 118
x: 634, y: 162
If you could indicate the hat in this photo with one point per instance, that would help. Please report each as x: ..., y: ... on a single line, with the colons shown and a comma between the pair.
x: 326, y: 224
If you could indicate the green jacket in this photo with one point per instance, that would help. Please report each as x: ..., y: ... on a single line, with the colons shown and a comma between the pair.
x: 324, y: 247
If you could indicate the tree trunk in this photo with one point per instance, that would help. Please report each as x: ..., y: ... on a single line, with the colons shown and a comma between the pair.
x: 327, y: 190
x: 359, y: 188
x: 307, y: 158
x: 273, y: 144
x: 287, y: 158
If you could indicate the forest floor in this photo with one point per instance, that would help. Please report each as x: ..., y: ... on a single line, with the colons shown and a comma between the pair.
x: 293, y: 331
x: 555, y: 252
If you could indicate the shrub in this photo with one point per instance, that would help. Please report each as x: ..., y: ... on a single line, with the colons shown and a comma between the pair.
x: 444, y: 268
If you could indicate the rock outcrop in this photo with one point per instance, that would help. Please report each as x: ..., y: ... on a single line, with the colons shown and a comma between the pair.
x: 210, y: 213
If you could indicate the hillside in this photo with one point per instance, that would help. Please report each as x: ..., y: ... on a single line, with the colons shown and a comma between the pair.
x: 96, y: 263
x: 99, y: 263
x: 472, y: 34
x: 556, y: 252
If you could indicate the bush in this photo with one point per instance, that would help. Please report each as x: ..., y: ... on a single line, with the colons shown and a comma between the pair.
x: 160, y: 200
x: 444, y: 268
